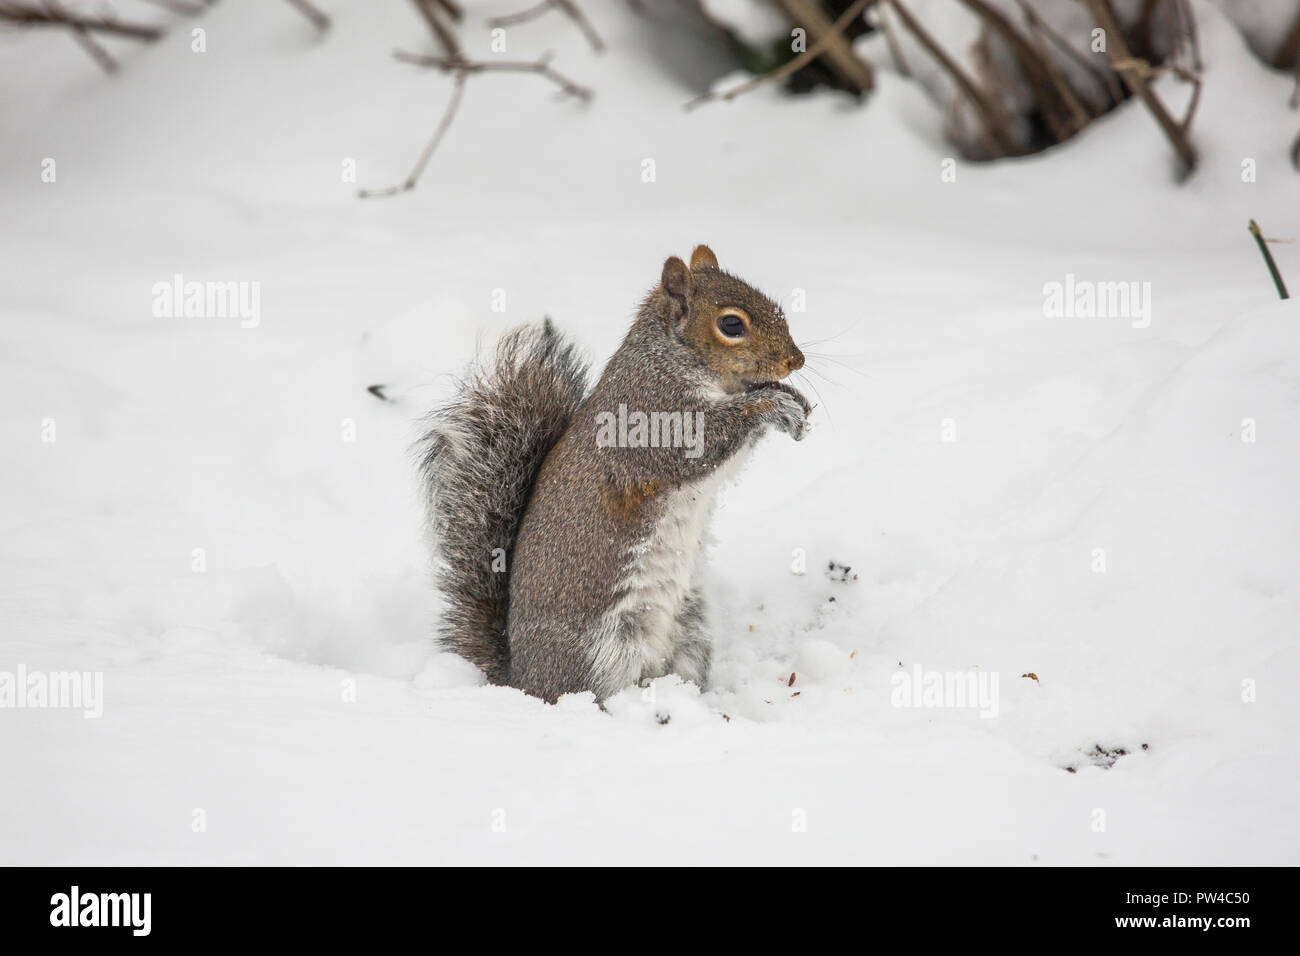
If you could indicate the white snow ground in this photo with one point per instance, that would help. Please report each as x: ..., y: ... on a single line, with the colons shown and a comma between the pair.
x: 224, y: 691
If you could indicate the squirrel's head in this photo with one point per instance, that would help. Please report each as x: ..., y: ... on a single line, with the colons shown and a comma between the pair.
x: 738, y: 333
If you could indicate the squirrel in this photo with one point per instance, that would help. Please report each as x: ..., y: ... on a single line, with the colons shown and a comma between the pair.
x: 568, y: 524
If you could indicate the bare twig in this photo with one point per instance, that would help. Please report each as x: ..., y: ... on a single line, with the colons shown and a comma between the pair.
x: 433, y: 14
x: 992, y: 81
x: 1268, y: 260
x: 891, y: 38
x: 461, y: 69
x: 1057, y: 100
x: 457, y: 93
x: 1195, y: 80
x: 460, y: 65
x: 1134, y: 78
x: 1105, y: 77
x: 179, y: 6
x: 575, y: 14
x: 521, y: 16
x: 993, y: 131
x: 1186, y: 23
x: 95, y: 49
x: 1186, y: 125
x: 1140, y: 29
x: 1186, y: 45
x: 454, y: 9
x: 82, y: 28
x: 790, y: 67
x: 51, y: 14
x: 567, y: 7
x: 313, y: 13
x: 1081, y: 114
x: 853, y: 72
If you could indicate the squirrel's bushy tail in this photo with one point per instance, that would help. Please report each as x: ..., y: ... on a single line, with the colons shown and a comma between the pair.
x: 479, y: 460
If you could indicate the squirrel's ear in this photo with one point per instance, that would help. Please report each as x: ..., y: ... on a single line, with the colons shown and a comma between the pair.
x: 676, y: 282
x: 703, y: 256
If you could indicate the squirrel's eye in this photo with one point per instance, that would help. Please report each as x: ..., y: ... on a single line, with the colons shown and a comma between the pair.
x: 731, y: 325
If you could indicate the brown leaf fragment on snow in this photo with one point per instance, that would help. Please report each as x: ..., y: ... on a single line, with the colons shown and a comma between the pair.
x: 790, y: 682
x: 1032, y: 676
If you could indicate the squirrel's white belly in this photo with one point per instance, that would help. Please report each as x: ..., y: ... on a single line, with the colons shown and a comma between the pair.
x: 661, y: 574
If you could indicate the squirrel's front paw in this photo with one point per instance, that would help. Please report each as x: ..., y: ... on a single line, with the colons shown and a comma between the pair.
x: 786, y: 409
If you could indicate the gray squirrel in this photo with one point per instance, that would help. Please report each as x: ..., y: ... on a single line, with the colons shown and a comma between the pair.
x: 568, y: 525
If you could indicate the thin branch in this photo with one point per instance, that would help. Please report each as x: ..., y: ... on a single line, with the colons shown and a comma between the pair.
x: 95, y: 49
x: 520, y: 16
x: 575, y: 14
x: 461, y: 69
x: 1187, y: 30
x: 313, y: 13
x: 1081, y: 112
x: 1140, y: 29
x: 992, y: 81
x: 433, y: 16
x: 457, y: 93
x: 790, y: 67
x: 853, y: 72
x: 1105, y: 77
x: 567, y: 7
x: 1133, y: 76
x: 1186, y: 39
x: 992, y: 130
x: 179, y: 7
x: 454, y: 9
x: 1196, y: 82
x: 1057, y: 100
x: 460, y: 65
x: 54, y: 15
x: 891, y: 38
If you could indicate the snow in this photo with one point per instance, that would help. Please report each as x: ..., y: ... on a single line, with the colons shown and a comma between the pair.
x: 755, y: 22
x: 1264, y: 25
x: 970, y: 457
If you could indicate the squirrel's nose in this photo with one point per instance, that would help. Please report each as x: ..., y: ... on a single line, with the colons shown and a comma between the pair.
x: 794, y: 362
